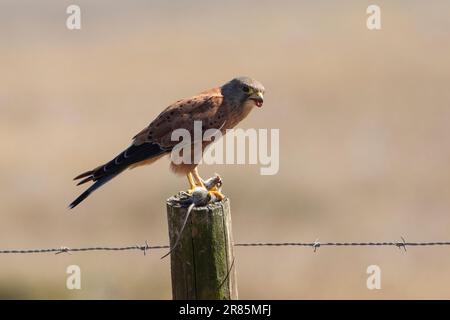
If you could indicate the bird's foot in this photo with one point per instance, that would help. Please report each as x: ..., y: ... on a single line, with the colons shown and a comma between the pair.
x: 212, y: 186
x: 216, y: 194
x: 194, y: 184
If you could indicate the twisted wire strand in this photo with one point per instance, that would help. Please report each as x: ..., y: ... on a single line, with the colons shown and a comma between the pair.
x: 316, y: 244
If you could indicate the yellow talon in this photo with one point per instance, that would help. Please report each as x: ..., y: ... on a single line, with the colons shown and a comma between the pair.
x: 219, y: 195
x: 197, y: 178
x: 214, y: 184
x: 192, y: 184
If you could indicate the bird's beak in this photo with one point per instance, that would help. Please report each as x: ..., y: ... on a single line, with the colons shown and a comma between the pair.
x: 258, y: 97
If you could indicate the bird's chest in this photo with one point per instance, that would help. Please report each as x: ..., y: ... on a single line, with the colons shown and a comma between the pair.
x: 237, y: 115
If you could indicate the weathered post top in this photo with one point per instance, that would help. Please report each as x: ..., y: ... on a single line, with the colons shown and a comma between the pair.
x: 202, y: 262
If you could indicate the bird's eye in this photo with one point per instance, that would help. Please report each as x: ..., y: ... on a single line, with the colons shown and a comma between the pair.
x: 246, y: 89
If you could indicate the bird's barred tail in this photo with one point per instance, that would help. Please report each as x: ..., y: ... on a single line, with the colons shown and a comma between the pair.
x: 91, y: 189
x: 104, y: 173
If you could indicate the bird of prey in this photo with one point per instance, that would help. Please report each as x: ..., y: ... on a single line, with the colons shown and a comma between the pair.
x: 219, y: 108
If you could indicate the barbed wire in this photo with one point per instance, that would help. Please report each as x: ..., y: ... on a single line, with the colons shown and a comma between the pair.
x: 145, y: 247
x: 315, y: 245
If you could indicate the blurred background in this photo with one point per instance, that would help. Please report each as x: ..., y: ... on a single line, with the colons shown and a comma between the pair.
x: 364, y: 129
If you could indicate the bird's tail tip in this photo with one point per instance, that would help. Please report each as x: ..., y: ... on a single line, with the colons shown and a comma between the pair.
x: 84, y: 174
x: 91, y: 189
x: 78, y: 200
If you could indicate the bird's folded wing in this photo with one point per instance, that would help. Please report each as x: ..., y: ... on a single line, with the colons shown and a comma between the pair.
x: 208, y: 107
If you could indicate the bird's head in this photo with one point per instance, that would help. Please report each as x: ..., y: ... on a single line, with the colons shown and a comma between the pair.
x: 244, y: 90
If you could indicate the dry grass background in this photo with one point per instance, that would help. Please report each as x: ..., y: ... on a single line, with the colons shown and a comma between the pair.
x: 364, y: 125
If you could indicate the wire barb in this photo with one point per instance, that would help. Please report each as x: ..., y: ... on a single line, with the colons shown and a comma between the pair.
x: 145, y: 248
x: 63, y: 249
x: 316, y: 244
x: 402, y: 244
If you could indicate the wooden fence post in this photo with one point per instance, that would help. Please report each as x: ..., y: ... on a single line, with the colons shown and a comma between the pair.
x: 202, y: 264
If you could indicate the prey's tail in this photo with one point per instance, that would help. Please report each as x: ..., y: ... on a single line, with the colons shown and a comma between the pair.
x: 104, y: 173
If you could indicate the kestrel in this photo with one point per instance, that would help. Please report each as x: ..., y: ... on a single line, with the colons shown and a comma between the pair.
x: 219, y: 108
